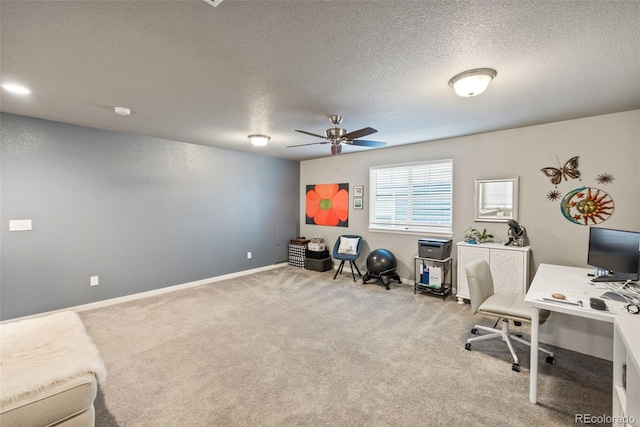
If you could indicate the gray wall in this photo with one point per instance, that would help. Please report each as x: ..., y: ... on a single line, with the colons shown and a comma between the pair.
x: 609, y: 143
x: 141, y: 213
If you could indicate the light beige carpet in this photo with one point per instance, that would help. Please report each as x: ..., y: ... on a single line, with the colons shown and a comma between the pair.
x: 292, y: 347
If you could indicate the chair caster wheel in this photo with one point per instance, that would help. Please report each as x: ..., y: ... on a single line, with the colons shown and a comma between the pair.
x: 519, y: 335
x: 474, y: 331
x: 515, y: 367
x: 551, y: 360
x: 388, y: 288
x: 467, y: 346
x: 516, y: 323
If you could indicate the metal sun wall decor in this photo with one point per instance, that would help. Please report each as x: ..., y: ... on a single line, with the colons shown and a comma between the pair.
x: 553, y: 195
x: 605, y: 178
x: 587, y: 204
x: 328, y: 204
x: 584, y: 204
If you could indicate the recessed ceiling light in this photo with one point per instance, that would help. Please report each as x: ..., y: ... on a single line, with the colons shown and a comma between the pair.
x: 122, y: 111
x: 16, y: 88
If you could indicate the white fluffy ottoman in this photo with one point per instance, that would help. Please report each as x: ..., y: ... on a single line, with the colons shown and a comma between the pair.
x: 49, y: 372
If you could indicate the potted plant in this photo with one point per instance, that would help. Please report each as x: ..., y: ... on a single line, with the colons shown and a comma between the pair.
x: 471, y: 235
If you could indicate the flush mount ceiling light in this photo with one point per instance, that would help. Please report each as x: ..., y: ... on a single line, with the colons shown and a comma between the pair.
x: 122, y: 111
x: 259, y: 140
x: 15, y: 88
x: 213, y: 3
x: 472, y: 82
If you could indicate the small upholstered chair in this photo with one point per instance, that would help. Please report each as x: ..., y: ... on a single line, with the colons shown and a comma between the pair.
x: 503, y: 305
x: 50, y: 372
x: 347, y: 248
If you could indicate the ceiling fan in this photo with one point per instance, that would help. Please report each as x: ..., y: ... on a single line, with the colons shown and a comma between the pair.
x: 337, y: 136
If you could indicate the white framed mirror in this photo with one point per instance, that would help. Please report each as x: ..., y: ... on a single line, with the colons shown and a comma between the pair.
x: 496, y: 199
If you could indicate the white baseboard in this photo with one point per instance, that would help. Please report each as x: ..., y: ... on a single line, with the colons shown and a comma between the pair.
x: 140, y: 295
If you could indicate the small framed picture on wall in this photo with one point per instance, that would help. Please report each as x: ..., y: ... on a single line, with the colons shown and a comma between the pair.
x: 358, y: 191
x: 357, y: 203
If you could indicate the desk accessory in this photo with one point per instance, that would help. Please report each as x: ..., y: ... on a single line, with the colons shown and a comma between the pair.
x: 597, y: 304
x: 563, y: 301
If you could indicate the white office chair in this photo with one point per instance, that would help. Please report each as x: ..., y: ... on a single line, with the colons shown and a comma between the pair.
x: 503, y: 305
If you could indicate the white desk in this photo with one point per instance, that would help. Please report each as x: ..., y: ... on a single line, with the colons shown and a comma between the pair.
x: 574, y: 283
x: 626, y: 372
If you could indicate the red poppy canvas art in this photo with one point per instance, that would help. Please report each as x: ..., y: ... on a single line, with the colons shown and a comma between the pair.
x: 328, y: 204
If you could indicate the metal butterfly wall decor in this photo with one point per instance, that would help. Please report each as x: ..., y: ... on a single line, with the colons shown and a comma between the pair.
x: 570, y: 169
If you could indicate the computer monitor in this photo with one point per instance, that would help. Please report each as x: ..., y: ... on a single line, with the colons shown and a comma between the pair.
x: 616, y: 251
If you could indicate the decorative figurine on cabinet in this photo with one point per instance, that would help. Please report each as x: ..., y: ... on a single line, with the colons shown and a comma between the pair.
x: 517, y: 234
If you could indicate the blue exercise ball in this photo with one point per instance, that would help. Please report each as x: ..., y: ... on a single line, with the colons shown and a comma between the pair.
x: 381, y: 261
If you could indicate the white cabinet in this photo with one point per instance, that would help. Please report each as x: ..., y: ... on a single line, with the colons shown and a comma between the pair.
x: 509, y: 266
x: 626, y: 371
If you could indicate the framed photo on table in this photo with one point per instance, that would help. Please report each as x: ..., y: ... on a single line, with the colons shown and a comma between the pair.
x: 358, y: 191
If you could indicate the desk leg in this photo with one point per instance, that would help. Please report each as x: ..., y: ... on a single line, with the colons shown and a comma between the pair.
x: 533, y: 371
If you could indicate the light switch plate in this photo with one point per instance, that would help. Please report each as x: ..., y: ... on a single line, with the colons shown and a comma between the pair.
x: 20, y: 225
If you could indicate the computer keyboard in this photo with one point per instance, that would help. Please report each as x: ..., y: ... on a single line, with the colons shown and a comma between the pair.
x: 616, y: 277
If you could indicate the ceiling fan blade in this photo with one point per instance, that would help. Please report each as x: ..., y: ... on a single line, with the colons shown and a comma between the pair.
x: 311, y: 143
x: 360, y: 133
x: 366, y: 143
x: 312, y: 134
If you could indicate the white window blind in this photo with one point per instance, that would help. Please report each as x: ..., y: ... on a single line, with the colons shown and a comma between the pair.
x: 412, y: 197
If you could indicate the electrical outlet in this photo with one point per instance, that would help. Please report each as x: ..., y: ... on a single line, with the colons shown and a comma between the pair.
x: 93, y: 281
x: 248, y: 255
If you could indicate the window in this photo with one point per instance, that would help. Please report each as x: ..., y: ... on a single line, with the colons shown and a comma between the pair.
x: 412, y: 197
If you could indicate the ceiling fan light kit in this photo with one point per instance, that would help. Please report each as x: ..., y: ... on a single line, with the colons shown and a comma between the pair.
x: 259, y: 140
x: 472, y: 82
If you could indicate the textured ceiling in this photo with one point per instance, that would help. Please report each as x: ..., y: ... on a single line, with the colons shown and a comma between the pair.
x: 194, y: 73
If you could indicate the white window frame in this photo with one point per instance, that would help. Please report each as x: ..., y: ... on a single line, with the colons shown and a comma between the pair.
x: 385, y: 214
